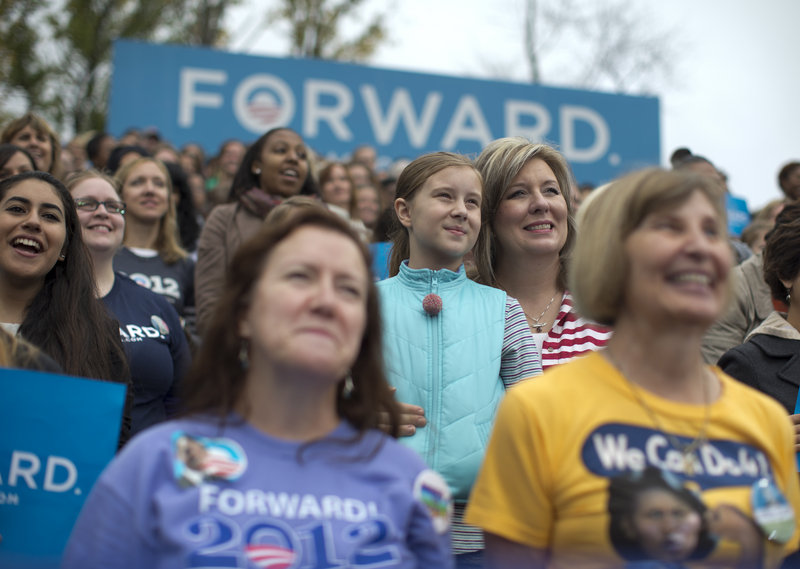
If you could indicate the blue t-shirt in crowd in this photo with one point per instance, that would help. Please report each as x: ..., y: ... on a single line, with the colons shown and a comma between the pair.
x: 157, y: 349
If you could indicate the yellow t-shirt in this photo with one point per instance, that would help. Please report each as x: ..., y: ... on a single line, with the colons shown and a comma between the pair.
x: 558, y: 441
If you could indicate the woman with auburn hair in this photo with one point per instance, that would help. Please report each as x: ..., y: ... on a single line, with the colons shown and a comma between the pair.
x: 278, y: 460
x: 528, y: 242
x: 275, y: 167
x: 47, y: 294
x: 652, y: 260
x: 32, y: 133
x: 152, y: 254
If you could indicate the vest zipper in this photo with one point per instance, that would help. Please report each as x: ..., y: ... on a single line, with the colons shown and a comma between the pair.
x: 436, y: 388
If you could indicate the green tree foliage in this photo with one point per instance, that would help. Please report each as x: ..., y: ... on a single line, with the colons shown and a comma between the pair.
x: 316, y: 29
x: 203, y: 21
x: 56, y: 57
x: 83, y: 34
x: 22, y: 73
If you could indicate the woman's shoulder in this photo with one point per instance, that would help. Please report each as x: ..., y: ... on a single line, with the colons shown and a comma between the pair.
x: 224, y: 218
x: 221, y: 213
x: 748, y: 401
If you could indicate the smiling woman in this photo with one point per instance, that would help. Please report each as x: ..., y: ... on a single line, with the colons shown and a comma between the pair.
x: 530, y: 236
x: 46, y: 287
x: 651, y: 259
x: 150, y: 329
x: 152, y: 255
x: 274, y: 168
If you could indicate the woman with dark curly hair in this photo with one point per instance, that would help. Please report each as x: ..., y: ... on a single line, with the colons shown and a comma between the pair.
x: 275, y: 167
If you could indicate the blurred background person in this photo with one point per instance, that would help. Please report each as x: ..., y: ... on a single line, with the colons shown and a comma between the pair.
x: 14, y: 160
x: 123, y: 154
x: 222, y: 170
x: 35, y: 135
x: 98, y: 150
x: 360, y: 174
x: 366, y: 155
x: 789, y: 180
x: 767, y: 360
x: 368, y: 206
x: 186, y: 215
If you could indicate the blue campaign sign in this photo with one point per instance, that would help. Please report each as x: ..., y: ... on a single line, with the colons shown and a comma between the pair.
x: 207, y: 96
x: 59, y: 432
x: 738, y: 216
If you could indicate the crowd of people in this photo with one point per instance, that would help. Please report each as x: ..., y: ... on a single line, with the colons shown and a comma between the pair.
x: 456, y: 362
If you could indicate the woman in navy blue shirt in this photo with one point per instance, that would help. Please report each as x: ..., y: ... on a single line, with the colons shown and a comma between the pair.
x: 150, y: 329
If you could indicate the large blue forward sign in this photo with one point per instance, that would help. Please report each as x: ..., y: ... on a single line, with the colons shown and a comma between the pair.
x: 207, y: 96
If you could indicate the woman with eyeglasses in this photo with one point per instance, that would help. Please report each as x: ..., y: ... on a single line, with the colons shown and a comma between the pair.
x: 149, y: 327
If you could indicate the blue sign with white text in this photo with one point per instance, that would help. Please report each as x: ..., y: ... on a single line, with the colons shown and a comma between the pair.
x: 59, y: 432
x: 207, y: 96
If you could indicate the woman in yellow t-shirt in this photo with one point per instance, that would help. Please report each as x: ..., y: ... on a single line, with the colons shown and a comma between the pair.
x: 651, y: 260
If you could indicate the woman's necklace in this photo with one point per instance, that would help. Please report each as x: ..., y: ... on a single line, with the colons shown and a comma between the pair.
x: 687, y: 450
x: 534, y: 322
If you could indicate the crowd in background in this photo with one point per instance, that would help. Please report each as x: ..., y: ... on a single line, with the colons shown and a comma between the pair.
x: 463, y: 279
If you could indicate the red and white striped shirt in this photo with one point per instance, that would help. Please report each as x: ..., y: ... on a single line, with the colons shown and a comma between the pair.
x: 571, y: 336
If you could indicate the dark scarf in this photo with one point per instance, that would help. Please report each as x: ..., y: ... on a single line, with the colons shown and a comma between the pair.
x: 258, y: 202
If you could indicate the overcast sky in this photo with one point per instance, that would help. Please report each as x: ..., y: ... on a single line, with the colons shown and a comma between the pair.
x: 733, y: 99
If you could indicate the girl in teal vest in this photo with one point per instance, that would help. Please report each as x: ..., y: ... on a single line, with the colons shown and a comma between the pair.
x: 452, y: 346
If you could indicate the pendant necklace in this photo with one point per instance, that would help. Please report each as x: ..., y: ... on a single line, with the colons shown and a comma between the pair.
x: 687, y: 450
x: 534, y: 322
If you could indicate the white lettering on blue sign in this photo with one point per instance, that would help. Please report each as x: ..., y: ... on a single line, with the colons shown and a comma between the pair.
x: 190, y: 97
x: 60, y: 473
x: 263, y: 101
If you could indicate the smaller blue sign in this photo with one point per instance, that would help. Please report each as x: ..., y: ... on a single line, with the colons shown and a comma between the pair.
x: 59, y: 432
x: 738, y: 216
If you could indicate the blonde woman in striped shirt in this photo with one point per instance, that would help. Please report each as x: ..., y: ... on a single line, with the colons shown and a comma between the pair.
x: 526, y: 247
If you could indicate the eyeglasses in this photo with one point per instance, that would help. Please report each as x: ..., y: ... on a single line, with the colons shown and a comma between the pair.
x: 91, y: 204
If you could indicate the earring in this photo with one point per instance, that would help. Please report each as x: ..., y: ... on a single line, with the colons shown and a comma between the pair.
x: 257, y: 171
x: 62, y: 257
x: 788, y: 295
x: 349, y: 387
x: 244, y: 359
